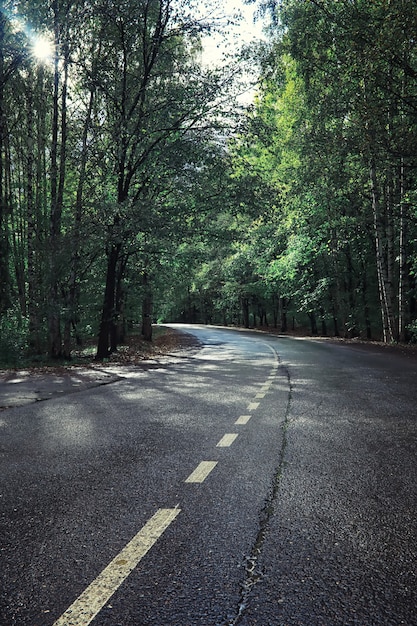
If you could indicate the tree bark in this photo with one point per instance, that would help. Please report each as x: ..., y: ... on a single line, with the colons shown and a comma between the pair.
x: 108, y: 311
x: 73, y: 288
x: 57, y: 186
x: 384, y: 284
x: 147, y: 305
x: 31, y: 237
x: 402, y: 258
x: 284, y: 320
x: 5, y: 300
x: 118, y: 330
x: 313, y: 322
x: 245, y: 312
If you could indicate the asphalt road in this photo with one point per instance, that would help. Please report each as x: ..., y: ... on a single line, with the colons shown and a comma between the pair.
x: 254, y: 480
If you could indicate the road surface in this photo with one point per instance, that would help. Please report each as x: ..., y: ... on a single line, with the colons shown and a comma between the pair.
x: 252, y: 480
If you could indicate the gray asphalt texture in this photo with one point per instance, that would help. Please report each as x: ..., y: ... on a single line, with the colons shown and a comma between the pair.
x: 308, y: 519
x: 342, y: 542
x: 24, y: 386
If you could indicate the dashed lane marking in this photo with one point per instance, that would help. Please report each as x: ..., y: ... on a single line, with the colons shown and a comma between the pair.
x: 227, y: 440
x: 201, y: 472
x: 91, y: 601
x: 243, y: 419
x: 87, y: 606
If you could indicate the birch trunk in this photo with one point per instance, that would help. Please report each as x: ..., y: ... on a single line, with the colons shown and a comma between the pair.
x: 33, y: 291
x: 402, y: 258
x: 73, y: 288
x: 5, y: 300
x: 54, y: 304
x: 384, y: 283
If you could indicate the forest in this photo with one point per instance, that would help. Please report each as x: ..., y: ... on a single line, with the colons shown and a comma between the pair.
x: 136, y: 186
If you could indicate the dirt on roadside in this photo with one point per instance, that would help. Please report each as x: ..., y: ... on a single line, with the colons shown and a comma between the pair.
x: 33, y: 383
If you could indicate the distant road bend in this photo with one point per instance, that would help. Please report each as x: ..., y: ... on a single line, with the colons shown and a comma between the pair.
x: 254, y: 480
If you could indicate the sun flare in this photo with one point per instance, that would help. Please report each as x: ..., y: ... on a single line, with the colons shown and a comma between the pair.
x: 42, y: 49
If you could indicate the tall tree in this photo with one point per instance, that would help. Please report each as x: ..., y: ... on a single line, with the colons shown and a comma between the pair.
x: 155, y: 95
x: 358, y: 63
x: 11, y: 56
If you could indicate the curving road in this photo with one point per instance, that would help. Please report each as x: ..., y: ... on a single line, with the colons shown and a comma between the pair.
x: 251, y: 480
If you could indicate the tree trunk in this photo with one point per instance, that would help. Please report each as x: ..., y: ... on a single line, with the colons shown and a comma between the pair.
x: 117, y: 331
x: 57, y: 189
x: 403, y: 269
x: 31, y: 237
x: 37, y: 265
x: 108, y: 310
x: 384, y: 284
x: 147, y: 303
x: 323, y: 322
x: 351, y: 284
x: 245, y: 312
x: 73, y: 289
x: 5, y: 300
x: 364, y: 291
x: 336, y: 331
x: 313, y: 322
x: 275, y: 309
x: 284, y: 322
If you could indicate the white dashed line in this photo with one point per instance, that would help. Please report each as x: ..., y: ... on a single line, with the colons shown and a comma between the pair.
x: 227, y: 440
x: 201, y: 472
x: 253, y: 406
x: 243, y: 419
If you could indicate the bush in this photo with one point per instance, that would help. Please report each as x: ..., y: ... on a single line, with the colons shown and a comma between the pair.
x: 13, y: 338
x: 412, y: 330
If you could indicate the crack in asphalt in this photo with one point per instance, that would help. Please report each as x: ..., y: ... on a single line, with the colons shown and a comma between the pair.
x: 253, y: 575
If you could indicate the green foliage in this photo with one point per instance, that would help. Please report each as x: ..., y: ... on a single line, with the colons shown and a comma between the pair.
x: 412, y: 329
x: 13, y: 338
x: 127, y: 179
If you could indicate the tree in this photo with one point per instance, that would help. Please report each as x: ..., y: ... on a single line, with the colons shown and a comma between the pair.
x: 155, y: 94
x: 11, y: 56
x: 357, y: 61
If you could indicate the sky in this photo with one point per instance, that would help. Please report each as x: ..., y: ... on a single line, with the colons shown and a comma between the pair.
x: 243, y: 32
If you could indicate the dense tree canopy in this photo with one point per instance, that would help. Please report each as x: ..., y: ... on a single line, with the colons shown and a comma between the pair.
x: 134, y: 187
